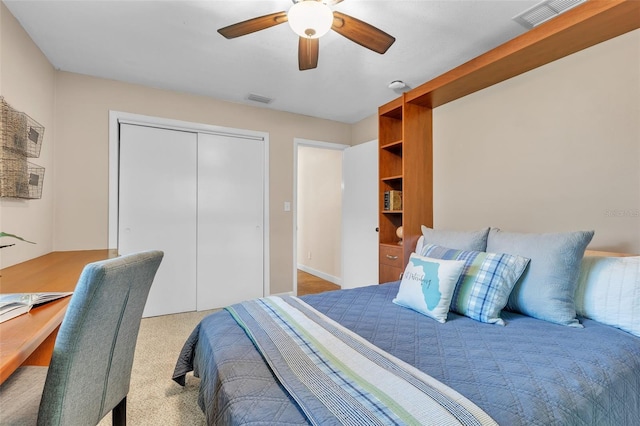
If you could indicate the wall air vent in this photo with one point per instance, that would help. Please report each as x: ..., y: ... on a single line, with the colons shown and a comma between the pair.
x: 259, y: 98
x: 544, y: 11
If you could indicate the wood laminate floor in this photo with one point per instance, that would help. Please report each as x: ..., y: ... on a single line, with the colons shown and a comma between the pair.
x: 310, y: 284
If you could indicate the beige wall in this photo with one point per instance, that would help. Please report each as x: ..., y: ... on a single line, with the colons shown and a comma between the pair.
x: 555, y: 149
x: 364, y: 130
x: 27, y: 82
x: 82, y: 108
x: 320, y: 212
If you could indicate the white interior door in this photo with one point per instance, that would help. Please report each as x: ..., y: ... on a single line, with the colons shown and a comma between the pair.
x: 360, y: 215
x: 230, y: 220
x: 157, y: 210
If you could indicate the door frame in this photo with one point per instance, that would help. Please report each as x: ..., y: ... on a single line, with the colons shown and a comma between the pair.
x: 116, y: 117
x: 297, y: 142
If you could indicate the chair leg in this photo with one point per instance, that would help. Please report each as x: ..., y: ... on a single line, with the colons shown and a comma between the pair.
x: 119, y: 413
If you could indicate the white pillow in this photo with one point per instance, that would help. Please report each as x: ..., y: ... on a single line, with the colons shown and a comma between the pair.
x: 609, y: 291
x: 428, y: 284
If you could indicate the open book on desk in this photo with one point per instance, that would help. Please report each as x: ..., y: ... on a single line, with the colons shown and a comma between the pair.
x: 14, y: 304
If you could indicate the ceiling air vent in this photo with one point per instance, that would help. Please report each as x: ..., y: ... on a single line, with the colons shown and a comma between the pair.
x: 259, y: 98
x: 544, y: 11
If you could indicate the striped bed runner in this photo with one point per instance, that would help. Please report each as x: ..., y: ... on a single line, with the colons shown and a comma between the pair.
x: 337, y: 377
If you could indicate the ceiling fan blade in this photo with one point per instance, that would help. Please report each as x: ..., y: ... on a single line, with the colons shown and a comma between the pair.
x: 252, y: 25
x: 362, y: 33
x: 308, y: 49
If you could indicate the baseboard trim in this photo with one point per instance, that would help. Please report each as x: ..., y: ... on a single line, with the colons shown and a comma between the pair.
x: 323, y: 275
x: 288, y: 293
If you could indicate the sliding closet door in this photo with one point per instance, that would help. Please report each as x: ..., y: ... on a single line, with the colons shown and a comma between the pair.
x: 230, y: 220
x: 157, y: 210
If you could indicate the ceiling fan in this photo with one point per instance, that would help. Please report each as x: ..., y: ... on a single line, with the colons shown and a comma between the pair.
x: 311, y: 19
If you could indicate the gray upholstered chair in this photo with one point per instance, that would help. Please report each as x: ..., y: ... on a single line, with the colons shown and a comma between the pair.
x: 90, y: 368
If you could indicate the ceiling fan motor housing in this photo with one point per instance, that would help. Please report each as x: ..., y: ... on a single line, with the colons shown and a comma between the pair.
x: 310, y: 18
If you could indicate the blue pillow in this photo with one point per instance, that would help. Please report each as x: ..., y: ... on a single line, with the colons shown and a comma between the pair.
x: 460, y: 240
x: 427, y: 286
x: 486, y: 281
x: 547, y: 288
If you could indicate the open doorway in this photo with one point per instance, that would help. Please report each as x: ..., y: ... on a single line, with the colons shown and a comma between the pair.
x: 317, y: 216
x: 335, y: 239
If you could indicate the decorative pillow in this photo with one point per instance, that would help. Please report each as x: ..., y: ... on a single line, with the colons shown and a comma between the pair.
x: 609, y: 291
x: 460, y: 240
x: 419, y: 244
x: 547, y: 288
x: 427, y: 286
x: 486, y: 281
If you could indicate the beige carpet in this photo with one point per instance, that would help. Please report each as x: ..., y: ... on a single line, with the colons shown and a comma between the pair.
x: 155, y: 399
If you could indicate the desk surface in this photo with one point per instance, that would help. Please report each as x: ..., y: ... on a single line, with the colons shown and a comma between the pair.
x: 56, y: 271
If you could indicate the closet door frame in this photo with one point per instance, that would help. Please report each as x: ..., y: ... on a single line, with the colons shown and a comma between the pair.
x: 116, y: 117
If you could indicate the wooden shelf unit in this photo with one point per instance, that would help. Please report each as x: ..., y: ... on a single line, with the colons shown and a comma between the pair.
x: 405, y: 124
x: 405, y: 165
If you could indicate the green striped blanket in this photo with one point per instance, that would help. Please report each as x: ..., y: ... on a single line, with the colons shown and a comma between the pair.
x: 337, y: 377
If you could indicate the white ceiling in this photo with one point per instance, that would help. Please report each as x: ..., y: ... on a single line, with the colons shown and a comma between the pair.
x: 174, y: 45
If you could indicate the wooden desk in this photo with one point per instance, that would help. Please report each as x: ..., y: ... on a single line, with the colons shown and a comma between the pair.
x: 28, y: 339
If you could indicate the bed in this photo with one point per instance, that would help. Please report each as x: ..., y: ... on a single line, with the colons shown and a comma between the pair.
x: 530, y: 371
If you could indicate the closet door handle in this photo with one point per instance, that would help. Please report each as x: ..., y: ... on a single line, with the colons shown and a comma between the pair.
x: 392, y: 257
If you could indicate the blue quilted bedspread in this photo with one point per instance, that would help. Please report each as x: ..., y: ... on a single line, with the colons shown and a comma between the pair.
x: 529, y: 372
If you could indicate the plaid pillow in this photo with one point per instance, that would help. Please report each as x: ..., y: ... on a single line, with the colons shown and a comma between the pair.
x: 483, y: 289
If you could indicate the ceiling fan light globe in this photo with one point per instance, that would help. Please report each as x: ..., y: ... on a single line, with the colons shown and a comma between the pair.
x: 310, y: 19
